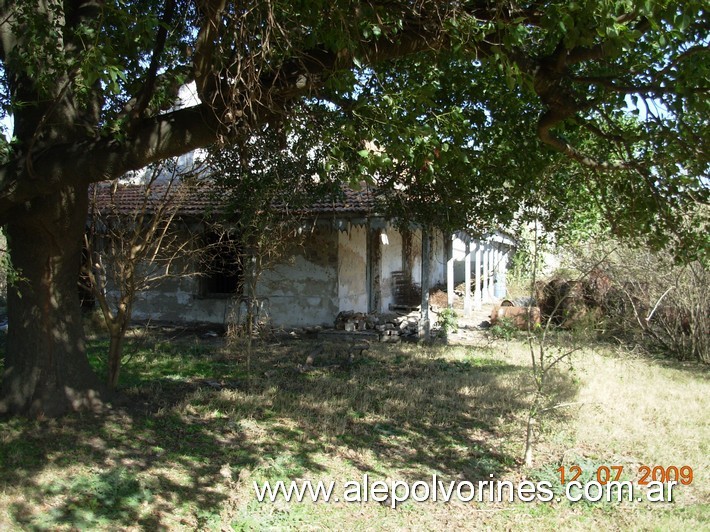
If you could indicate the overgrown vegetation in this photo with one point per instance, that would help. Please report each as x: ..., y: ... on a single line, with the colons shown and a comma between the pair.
x: 643, y: 297
x: 184, y: 447
x: 135, y: 240
x: 607, y: 289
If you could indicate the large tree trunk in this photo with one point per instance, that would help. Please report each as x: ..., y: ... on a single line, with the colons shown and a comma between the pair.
x: 46, y: 369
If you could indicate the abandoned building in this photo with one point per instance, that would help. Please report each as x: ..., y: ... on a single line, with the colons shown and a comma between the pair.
x: 351, y: 259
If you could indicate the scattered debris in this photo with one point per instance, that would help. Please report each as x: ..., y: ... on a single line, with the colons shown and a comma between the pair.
x: 390, y: 327
x: 351, y: 321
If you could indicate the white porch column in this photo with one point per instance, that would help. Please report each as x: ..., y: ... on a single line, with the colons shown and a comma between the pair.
x: 486, y: 259
x: 491, y: 266
x: 424, y: 325
x: 494, y: 271
x: 503, y: 273
x: 467, y: 280
x: 477, y: 297
x: 450, y: 274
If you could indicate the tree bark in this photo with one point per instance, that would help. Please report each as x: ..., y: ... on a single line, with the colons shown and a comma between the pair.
x: 46, y: 371
x: 115, y: 354
x: 117, y: 326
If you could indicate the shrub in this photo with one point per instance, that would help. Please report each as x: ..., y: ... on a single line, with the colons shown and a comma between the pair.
x: 448, y: 320
x: 645, y: 297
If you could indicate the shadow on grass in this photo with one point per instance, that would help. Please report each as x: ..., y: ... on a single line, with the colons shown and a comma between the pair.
x: 191, y: 423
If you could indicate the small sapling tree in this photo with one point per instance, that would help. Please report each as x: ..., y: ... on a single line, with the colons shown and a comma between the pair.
x: 135, y: 241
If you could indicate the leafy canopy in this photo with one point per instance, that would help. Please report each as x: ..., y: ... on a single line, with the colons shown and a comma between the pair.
x: 465, y: 113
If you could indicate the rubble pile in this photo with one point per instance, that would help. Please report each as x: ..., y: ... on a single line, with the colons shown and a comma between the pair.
x: 390, y: 327
x: 351, y: 321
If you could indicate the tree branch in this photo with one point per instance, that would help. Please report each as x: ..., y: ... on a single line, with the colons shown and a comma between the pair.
x: 146, y: 91
x: 544, y: 131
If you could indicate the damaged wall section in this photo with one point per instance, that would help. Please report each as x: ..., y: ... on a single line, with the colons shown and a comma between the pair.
x: 303, y: 291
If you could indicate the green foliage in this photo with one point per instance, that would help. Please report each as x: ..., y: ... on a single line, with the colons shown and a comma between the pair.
x: 276, y: 169
x: 448, y: 320
x: 453, y: 132
x: 504, y: 329
x: 466, y: 115
x: 9, y: 275
x: 13, y: 276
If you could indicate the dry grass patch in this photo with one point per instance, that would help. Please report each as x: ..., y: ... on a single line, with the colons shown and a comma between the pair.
x: 194, y: 434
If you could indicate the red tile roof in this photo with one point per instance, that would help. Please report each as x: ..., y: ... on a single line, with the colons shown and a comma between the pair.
x: 199, y: 200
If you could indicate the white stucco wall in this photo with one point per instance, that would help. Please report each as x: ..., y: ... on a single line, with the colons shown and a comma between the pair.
x: 416, y: 256
x: 391, y: 261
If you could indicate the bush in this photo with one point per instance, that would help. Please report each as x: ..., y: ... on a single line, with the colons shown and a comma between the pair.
x: 644, y: 297
x: 448, y: 320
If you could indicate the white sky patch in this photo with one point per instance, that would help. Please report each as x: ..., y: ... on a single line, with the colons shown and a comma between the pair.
x: 7, y: 126
x: 187, y: 97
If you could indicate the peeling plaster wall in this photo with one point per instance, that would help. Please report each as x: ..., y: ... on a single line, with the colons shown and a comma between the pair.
x: 304, y: 290
x: 177, y: 299
x: 391, y: 262
x: 415, y: 256
x: 438, y: 259
x: 352, y: 269
x: 326, y: 275
x: 459, y: 265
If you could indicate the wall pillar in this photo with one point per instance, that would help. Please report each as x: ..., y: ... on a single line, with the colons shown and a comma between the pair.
x: 502, y: 275
x: 491, y: 272
x: 450, y: 273
x: 485, y: 260
x: 424, y: 325
x: 477, y: 296
x: 373, y: 271
x: 467, y: 280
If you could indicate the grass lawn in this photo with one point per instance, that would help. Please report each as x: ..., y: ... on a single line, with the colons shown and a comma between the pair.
x: 192, y: 434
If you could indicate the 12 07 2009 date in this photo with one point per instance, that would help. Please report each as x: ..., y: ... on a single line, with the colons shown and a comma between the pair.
x: 645, y: 474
